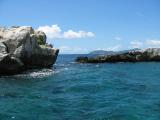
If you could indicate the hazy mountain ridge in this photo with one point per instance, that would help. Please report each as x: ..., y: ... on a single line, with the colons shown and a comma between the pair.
x: 105, y: 52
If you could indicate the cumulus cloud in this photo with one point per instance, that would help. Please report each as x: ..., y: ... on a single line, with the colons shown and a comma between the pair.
x: 115, y: 48
x: 80, y: 34
x: 153, y: 43
x: 136, y: 44
x: 55, y: 32
x: 112, y: 48
x: 145, y: 43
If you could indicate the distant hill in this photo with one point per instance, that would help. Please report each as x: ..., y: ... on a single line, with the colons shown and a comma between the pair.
x: 103, y: 52
x: 126, y: 51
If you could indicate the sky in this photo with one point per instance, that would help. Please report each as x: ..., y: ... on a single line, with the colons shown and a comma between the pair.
x: 81, y: 26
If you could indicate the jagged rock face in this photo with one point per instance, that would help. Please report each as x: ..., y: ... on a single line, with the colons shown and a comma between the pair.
x: 23, y: 47
x: 151, y: 54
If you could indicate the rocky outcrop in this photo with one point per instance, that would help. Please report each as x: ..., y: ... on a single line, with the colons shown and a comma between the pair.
x: 23, y: 48
x: 147, y: 55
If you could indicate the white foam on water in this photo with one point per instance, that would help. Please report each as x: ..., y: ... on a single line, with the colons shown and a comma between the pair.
x: 37, y: 73
x: 65, y: 68
x: 97, y: 65
x: 72, y: 62
x: 41, y: 73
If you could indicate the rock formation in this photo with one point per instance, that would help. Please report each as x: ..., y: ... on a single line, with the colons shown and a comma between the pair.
x: 147, y: 55
x: 23, y: 48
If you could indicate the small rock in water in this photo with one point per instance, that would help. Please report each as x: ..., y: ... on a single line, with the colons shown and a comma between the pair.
x: 146, y: 55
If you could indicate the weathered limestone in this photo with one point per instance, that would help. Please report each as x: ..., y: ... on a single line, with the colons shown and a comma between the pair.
x: 22, y: 48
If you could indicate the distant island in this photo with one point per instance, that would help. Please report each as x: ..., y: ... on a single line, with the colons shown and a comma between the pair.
x: 105, y: 52
x: 22, y: 47
x: 134, y: 55
x: 102, y: 52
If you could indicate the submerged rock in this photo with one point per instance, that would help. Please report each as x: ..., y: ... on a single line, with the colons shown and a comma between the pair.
x: 151, y: 54
x: 23, y: 48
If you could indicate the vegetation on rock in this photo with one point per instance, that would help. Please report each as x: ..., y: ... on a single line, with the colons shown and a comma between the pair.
x: 41, y: 40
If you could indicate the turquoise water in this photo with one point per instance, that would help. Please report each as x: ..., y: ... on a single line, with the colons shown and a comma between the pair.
x: 71, y: 91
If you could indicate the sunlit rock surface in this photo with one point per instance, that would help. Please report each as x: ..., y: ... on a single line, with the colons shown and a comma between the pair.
x: 22, y: 48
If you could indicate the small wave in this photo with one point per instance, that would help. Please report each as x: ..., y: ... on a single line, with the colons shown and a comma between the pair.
x: 97, y: 65
x: 61, y: 70
x: 62, y: 65
x: 13, y: 117
x: 72, y: 62
x: 65, y: 68
x: 41, y: 73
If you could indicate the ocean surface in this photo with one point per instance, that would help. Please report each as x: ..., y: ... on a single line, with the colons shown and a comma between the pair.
x: 72, y: 91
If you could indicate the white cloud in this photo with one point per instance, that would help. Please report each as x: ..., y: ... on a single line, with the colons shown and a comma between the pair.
x: 112, y: 48
x: 55, y: 32
x: 81, y: 34
x: 136, y: 44
x: 115, y: 48
x: 72, y: 50
x: 153, y: 43
x: 150, y: 43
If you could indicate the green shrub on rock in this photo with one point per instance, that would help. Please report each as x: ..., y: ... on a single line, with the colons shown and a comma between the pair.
x: 41, y: 40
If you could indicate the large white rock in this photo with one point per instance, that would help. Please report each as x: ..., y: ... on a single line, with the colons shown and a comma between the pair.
x: 25, y: 46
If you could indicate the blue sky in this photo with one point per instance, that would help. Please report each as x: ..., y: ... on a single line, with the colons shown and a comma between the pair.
x: 80, y: 26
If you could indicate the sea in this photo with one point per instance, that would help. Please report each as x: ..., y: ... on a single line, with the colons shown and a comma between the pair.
x: 74, y: 91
